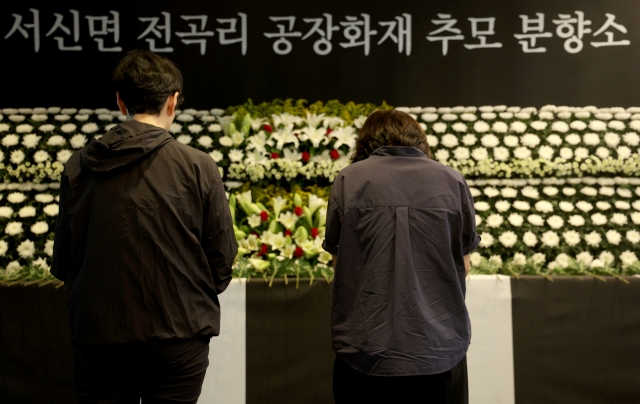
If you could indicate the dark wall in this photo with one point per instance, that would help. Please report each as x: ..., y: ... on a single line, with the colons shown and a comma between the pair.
x: 602, y: 76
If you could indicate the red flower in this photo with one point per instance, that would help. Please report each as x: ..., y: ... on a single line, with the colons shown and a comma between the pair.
x: 314, y: 232
x: 296, y: 134
x: 334, y: 154
x: 299, y: 252
x: 298, y: 211
x: 329, y: 130
x: 264, y: 216
x: 305, y: 156
x: 287, y: 233
x: 268, y: 128
x: 263, y: 249
x: 255, y: 233
x: 275, y: 155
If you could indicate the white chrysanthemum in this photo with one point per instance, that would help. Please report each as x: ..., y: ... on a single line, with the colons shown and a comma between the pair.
x: 184, y: 139
x: 89, y: 128
x: 24, y: 128
x: 501, y: 153
x: 591, y: 139
x: 518, y: 127
x: 569, y: 191
x: 6, y: 211
x: 469, y: 139
x: 529, y: 239
x: 502, y: 206
x: 62, y: 118
x: 195, y: 128
x: 550, y: 191
x: 559, y: 126
x: 515, y: 219
x: 519, y: 259
x: 486, y: 240
x: 521, y: 205
x: 617, y: 125
x: 432, y: 141
x: 555, y: 222
x: 480, y: 153
x: 530, y: 192
x: 175, y: 128
x: 546, y: 152
x: 459, y: 127
x: 511, y: 141
x: 16, y: 197
x: 597, y: 126
x: 613, y: 237
x: 509, y: 192
x: 607, y: 191
x: 573, y: 139
x: 607, y: 258
x: 530, y: 140
x: 539, y: 258
x: 429, y: 117
x: 449, y: 117
x: 226, y: 141
x: 205, y: 141
x: 593, y: 239
x: 576, y: 220
x: 550, y: 239
x: 439, y: 127
x: 491, y: 192
x: 449, y: 140
x: 481, y: 126
x: 17, y: 157
x: 490, y: 140
x: 628, y: 258
x: 185, y: 118
x: 26, y: 249
x: 27, y: 211
x: 40, y: 228
x: 622, y: 205
x: 589, y: 191
x: 612, y: 139
x: 475, y: 258
x: 13, y: 228
x: 571, y: 237
x: 214, y: 127
x: 51, y: 210
x: 538, y: 125
x: 478, y: 220
x: 544, y: 206
x: 602, y: 152
x: 535, y: 220
x: 566, y: 153
x: 619, y: 218
x: 44, y: 198
x: 10, y: 140
x: 30, y: 141
x: 599, y: 219
x: 585, y: 257
x: 584, y: 206
x: 521, y: 153
x: 554, y: 140
x: 500, y: 127
x: 475, y: 192
x: 624, y: 192
x: 216, y: 156
x: 41, y: 156
x: 623, y: 152
x: 78, y: 141
x: 461, y: 153
x: 482, y: 206
x: 563, y: 260
x: 442, y: 155
x: 56, y: 140
x: 494, y: 220
x: 468, y: 117
x: 631, y: 138
x: 4, y: 246
x: 508, y: 239
x: 236, y: 155
x: 566, y: 206
x: 68, y: 127
x: 63, y: 155
x: 581, y: 153
x: 633, y: 236
x: 578, y: 125
x: 635, y: 124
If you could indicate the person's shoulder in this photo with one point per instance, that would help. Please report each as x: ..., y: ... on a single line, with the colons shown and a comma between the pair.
x: 444, y: 170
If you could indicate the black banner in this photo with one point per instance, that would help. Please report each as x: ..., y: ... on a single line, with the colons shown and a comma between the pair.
x: 436, y: 53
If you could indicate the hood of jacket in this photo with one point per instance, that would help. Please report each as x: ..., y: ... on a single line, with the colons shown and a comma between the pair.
x: 124, y: 144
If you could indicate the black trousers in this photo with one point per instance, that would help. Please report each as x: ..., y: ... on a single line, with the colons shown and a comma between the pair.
x: 351, y: 386
x: 158, y: 372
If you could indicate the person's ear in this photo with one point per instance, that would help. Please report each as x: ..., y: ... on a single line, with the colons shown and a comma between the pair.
x: 172, y: 103
x: 121, y: 105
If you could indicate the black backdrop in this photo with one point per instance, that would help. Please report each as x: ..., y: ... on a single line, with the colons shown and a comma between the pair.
x: 602, y: 76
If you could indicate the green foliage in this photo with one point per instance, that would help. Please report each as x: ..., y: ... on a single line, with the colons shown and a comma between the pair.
x: 348, y: 112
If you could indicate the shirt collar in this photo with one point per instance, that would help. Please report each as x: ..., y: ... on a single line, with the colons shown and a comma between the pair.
x: 399, y: 151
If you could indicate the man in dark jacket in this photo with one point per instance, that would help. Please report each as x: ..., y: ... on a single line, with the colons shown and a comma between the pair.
x: 145, y: 243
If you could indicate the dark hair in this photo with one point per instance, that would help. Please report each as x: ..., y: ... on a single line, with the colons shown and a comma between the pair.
x: 389, y: 128
x: 145, y: 80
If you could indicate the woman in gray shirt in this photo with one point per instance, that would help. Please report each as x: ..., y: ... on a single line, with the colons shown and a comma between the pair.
x: 401, y: 227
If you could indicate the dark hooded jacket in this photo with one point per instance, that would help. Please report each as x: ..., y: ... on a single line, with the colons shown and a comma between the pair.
x: 144, y: 239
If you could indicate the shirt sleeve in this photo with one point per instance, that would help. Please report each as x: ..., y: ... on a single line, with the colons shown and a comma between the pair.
x: 470, y: 239
x: 218, y: 238
x: 334, y: 219
x: 62, y: 242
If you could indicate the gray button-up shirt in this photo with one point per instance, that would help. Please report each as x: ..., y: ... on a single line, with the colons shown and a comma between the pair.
x: 400, y: 224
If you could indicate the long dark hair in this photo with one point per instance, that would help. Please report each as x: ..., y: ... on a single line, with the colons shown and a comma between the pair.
x: 389, y: 128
